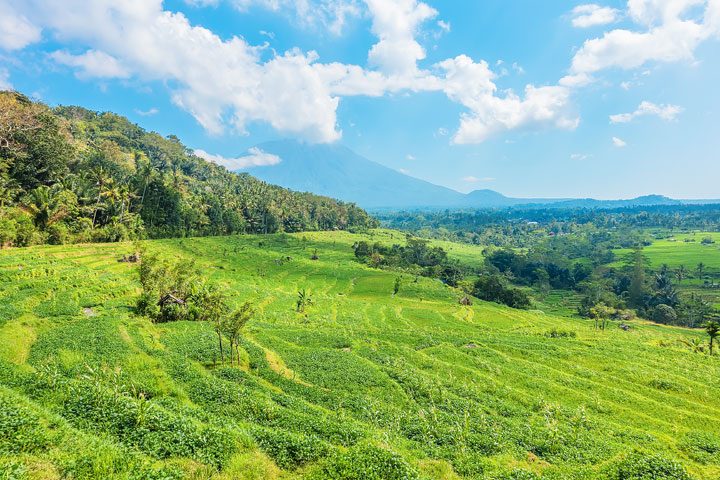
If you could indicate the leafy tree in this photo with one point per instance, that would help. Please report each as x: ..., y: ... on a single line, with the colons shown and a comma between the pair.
x: 636, y: 291
x: 601, y: 313
x: 233, y: 325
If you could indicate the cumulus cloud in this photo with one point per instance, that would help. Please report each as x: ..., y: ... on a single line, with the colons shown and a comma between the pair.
x: 255, y: 158
x: 92, y: 64
x: 395, y: 23
x: 229, y: 83
x: 590, y: 15
x: 618, y: 142
x: 16, y: 31
x: 669, y: 32
x: 471, y: 84
x: 665, y: 112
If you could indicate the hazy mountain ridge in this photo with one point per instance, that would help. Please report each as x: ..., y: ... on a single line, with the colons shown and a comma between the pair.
x: 338, y: 172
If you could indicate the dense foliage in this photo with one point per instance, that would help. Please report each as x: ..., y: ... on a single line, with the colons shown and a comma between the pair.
x: 518, y: 226
x: 417, y: 256
x: 71, y: 175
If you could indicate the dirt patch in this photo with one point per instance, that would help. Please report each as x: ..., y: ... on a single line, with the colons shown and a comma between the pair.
x: 89, y: 312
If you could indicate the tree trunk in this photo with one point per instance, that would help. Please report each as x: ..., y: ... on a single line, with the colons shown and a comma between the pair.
x: 711, y: 345
x: 222, y: 356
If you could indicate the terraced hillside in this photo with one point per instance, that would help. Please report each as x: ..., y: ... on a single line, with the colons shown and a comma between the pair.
x: 363, y: 385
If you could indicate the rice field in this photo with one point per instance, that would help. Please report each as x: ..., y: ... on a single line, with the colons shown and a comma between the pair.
x: 363, y: 385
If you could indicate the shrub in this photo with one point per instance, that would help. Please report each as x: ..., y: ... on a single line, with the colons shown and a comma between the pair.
x: 664, y: 314
x: 641, y: 466
x: 701, y: 447
x: 493, y: 289
x: 150, y: 428
x: 21, y: 429
x: 366, y: 462
x: 555, y: 333
x: 290, y: 450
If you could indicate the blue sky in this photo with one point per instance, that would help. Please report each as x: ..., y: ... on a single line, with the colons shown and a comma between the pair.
x: 535, y: 99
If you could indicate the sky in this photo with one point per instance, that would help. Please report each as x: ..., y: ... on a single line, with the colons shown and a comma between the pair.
x: 558, y: 98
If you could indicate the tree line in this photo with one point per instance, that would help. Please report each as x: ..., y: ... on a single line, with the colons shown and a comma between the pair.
x: 68, y: 174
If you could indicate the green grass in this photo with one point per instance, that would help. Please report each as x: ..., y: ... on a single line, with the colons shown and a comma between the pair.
x: 682, y: 249
x: 688, y: 250
x: 363, y: 385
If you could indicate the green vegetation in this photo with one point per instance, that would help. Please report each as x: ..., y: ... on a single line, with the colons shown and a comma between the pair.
x: 362, y: 384
x: 72, y: 175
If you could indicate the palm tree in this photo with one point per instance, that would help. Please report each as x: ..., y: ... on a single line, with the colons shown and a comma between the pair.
x: 680, y: 273
x: 102, y: 179
x: 712, y: 328
x: 49, y: 205
x: 700, y: 269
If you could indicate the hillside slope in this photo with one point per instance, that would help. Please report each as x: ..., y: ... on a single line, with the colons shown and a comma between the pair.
x: 364, y: 385
x: 338, y: 172
x: 72, y: 175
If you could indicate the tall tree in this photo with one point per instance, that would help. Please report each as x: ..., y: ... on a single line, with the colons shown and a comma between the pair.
x: 712, y: 328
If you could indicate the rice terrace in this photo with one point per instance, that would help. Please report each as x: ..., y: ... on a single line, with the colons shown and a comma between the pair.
x: 266, y: 240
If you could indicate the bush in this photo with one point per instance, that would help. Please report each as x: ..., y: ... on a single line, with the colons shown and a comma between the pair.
x: 148, y: 427
x: 640, y: 466
x: 290, y: 450
x: 493, y: 289
x: 21, y: 430
x: 701, y: 447
x: 664, y: 314
x: 555, y: 333
x: 366, y: 462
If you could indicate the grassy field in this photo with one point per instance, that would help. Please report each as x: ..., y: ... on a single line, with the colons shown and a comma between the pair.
x: 688, y: 250
x: 682, y: 249
x: 363, y: 385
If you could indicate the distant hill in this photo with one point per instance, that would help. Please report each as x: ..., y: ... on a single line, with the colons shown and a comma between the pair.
x: 338, y: 172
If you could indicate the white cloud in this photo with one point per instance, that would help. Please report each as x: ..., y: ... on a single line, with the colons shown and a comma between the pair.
x: 5, y: 80
x: 410, y: 157
x: 147, y: 113
x: 665, y: 112
x: 579, y: 156
x: 16, y: 31
x: 444, y: 26
x: 471, y: 84
x: 590, y: 15
x: 230, y: 83
x: 670, y: 34
x: 618, y: 142
x: 404, y: 171
x: 92, y: 64
x: 395, y: 23
x: 329, y: 14
x: 255, y: 158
